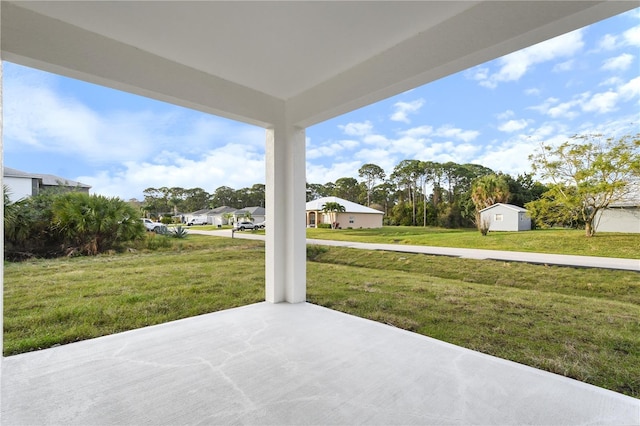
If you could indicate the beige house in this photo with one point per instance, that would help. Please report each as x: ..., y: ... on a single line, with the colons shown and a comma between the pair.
x: 354, y: 216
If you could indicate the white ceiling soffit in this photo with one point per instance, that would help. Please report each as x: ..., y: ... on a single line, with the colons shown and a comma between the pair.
x: 251, y: 61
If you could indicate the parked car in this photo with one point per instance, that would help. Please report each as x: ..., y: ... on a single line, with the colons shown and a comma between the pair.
x: 259, y: 225
x: 157, y: 227
x: 198, y: 221
x: 241, y: 226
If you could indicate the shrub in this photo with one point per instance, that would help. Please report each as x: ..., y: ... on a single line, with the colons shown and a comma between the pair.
x: 179, y: 232
x: 324, y: 225
x: 483, y: 226
x: 313, y: 251
x: 27, y: 228
x: 155, y: 242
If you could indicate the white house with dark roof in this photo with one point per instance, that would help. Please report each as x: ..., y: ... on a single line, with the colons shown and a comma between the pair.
x: 623, y: 216
x: 22, y: 185
x: 354, y: 216
x: 506, y: 217
x: 258, y: 214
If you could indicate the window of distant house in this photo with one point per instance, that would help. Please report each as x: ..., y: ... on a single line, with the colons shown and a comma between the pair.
x: 521, y: 216
x: 498, y: 217
x: 351, y: 219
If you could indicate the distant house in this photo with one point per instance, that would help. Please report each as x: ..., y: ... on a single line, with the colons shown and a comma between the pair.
x: 215, y: 216
x: 354, y: 216
x: 258, y: 214
x: 619, y: 217
x: 23, y: 185
x: 506, y: 217
x: 218, y: 216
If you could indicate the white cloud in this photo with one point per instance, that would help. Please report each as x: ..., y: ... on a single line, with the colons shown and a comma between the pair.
x: 220, y: 166
x: 618, y: 63
x: 456, y: 133
x: 608, y: 42
x: 564, y: 66
x: 319, y: 173
x: 418, y: 132
x: 403, y: 109
x: 532, y: 91
x: 357, y: 129
x: 612, y: 82
x: 37, y: 116
x: 631, y: 89
x: 505, y: 115
x: 601, y: 102
x: 564, y: 110
x: 513, y: 125
x: 632, y: 36
x: 331, y: 149
x: 513, y: 66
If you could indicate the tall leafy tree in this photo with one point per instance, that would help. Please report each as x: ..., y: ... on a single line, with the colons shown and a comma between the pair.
x: 195, y: 199
x: 225, y: 196
x: 372, y: 174
x: 588, y: 173
x: 347, y: 188
x: 406, y: 174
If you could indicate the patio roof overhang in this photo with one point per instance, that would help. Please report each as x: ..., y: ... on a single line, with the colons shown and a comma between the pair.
x: 280, y: 65
x: 249, y: 61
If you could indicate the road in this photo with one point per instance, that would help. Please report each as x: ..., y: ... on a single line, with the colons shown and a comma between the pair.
x: 509, y: 256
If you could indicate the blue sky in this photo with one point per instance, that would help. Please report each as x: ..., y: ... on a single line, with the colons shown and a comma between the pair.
x: 494, y: 114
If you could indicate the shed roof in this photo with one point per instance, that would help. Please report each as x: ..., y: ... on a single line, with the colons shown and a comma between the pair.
x: 350, y: 207
x: 509, y: 206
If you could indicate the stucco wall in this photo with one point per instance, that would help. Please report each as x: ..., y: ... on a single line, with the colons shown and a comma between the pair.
x: 618, y: 219
x: 18, y: 187
x: 359, y: 220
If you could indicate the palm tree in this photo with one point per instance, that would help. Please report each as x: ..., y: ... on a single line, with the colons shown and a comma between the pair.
x: 333, y: 208
x: 93, y: 223
x: 487, y: 191
x: 227, y: 218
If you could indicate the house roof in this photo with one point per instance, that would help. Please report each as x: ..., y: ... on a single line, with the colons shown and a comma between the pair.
x: 509, y: 206
x: 47, y: 179
x: 256, y: 211
x: 222, y: 210
x: 350, y: 207
x: 627, y: 203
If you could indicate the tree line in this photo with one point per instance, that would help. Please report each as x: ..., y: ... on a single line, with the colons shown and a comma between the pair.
x: 415, y: 193
x: 585, y: 175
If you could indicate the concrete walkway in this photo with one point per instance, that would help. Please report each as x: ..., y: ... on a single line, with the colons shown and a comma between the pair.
x: 510, y: 256
x: 283, y: 364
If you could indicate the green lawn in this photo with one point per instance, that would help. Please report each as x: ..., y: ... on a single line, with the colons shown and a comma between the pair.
x: 559, y: 241
x: 581, y: 323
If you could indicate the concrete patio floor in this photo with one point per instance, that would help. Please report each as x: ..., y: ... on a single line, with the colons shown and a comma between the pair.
x: 289, y: 364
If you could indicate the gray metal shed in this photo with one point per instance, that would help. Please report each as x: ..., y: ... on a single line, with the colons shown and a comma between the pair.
x: 506, y: 217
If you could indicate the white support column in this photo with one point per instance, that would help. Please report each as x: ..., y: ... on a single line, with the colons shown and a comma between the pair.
x: 1, y: 212
x: 286, y: 252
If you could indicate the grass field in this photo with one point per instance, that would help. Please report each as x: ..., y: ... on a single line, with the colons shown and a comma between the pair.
x: 581, y: 323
